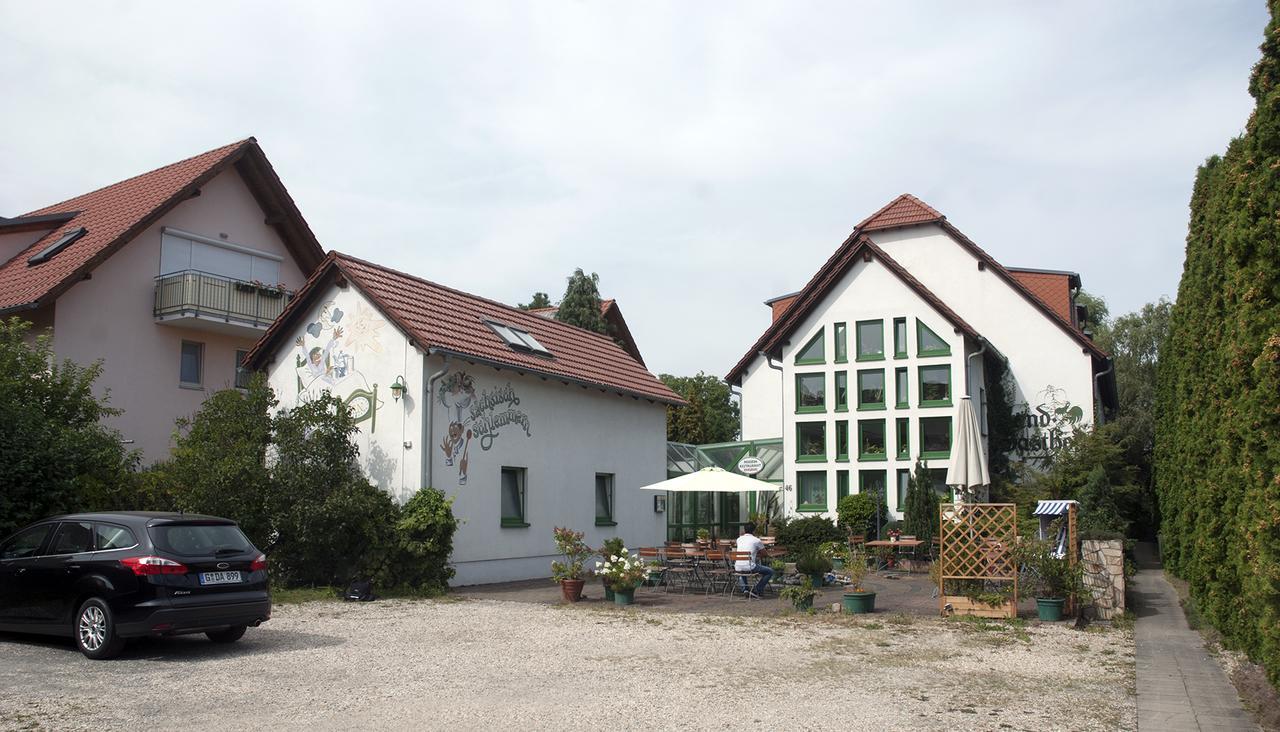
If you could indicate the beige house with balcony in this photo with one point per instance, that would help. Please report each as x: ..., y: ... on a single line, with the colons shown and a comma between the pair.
x: 168, y: 278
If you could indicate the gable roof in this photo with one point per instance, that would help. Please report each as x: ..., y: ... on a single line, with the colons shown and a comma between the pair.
x: 114, y: 215
x: 1052, y: 287
x: 612, y: 314
x: 440, y: 319
x: 857, y: 246
x: 903, y: 211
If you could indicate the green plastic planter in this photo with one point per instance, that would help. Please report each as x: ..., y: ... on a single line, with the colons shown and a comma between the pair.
x: 1050, y: 608
x: 818, y: 579
x: 858, y: 603
x: 624, y: 597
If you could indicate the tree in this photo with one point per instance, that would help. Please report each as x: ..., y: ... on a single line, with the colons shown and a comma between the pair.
x: 580, y: 305
x: 540, y: 300
x: 711, y: 415
x: 921, y: 511
x: 56, y: 455
x: 1097, y: 315
x: 1217, y: 446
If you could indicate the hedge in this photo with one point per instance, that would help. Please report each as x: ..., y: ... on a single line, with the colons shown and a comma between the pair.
x: 1218, y: 429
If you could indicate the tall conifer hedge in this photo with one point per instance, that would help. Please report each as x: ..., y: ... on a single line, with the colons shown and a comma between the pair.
x: 1218, y: 430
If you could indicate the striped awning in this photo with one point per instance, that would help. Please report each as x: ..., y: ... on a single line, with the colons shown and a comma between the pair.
x: 1052, y: 508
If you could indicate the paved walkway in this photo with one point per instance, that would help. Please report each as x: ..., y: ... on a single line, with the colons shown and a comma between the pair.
x: 1180, y: 687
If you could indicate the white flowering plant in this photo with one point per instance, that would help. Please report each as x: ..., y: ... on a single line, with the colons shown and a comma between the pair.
x: 622, y: 571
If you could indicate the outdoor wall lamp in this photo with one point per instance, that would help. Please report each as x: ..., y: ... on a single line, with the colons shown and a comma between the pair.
x: 398, y: 389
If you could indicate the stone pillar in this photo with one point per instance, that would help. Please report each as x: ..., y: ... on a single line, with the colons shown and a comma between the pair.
x: 1104, y: 576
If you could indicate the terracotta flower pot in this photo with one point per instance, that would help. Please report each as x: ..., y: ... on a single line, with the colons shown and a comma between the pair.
x: 571, y: 589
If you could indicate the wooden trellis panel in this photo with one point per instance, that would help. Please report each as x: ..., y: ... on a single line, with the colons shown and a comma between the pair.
x: 977, y: 540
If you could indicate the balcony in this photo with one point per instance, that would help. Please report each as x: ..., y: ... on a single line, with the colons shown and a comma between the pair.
x: 211, y: 302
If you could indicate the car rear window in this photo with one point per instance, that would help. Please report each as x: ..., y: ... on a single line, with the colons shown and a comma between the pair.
x: 111, y: 536
x: 194, y: 540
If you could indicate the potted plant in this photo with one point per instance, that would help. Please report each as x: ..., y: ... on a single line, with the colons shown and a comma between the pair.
x: 569, y: 572
x: 612, y: 547
x: 857, y: 599
x: 836, y: 551
x: 779, y: 568
x: 815, y: 565
x: 1053, y: 578
x: 704, y: 536
x: 623, y: 573
x: 801, y: 595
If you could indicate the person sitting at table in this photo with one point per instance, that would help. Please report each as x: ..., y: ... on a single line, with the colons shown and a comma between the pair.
x: 748, y: 542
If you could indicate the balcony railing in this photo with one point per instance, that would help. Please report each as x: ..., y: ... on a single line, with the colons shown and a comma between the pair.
x: 194, y: 294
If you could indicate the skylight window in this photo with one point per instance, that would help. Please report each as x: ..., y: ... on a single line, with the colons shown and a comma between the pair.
x: 64, y: 241
x: 520, y: 340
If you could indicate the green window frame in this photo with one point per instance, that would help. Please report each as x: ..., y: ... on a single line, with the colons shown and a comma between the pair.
x: 901, y: 388
x: 842, y: 484
x: 842, y: 391
x: 807, y: 401
x: 841, y: 335
x: 903, y: 445
x: 870, y: 340
x: 873, y: 482
x: 867, y: 397
x: 842, y: 439
x: 899, y: 337
x: 811, y: 491
x: 930, y: 430
x: 513, y: 497
x: 872, y: 444
x: 929, y: 343
x: 904, y: 482
x: 604, y: 500
x: 809, y: 434
x: 814, y: 352
x: 928, y: 387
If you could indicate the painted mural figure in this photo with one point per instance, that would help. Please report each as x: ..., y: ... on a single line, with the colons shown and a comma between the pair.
x: 322, y: 363
x: 476, y: 415
x: 456, y: 394
x: 326, y: 360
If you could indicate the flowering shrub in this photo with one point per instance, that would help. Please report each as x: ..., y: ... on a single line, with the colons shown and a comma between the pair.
x: 575, y: 551
x: 622, y: 571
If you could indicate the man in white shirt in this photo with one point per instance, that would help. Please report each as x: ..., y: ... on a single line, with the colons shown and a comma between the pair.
x: 748, y: 542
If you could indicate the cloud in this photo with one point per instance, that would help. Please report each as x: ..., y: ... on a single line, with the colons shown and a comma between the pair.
x: 700, y: 157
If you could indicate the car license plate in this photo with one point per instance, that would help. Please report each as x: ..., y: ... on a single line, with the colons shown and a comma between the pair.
x: 219, y: 578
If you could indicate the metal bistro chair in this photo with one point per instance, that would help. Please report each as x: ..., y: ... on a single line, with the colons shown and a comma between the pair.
x: 651, y: 556
x: 677, y: 568
x: 716, y: 571
x: 737, y: 578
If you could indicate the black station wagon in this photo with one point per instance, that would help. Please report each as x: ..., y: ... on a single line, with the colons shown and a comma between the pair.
x: 106, y: 577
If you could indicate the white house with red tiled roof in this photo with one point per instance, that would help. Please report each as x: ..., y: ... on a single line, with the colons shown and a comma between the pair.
x: 526, y: 422
x: 168, y: 278
x: 861, y: 372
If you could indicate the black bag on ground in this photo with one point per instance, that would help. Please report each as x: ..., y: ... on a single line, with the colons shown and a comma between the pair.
x: 359, y: 591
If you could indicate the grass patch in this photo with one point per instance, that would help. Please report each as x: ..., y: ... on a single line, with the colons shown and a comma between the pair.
x: 900, y: 619
x: 299, y: 595
x: 1125, y: 621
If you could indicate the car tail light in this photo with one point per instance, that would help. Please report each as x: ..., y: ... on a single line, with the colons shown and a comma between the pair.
x: 259, y: 563
x: 146, y: 566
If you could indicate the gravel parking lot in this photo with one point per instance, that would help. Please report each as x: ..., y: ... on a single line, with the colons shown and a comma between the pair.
x: 484, y: 663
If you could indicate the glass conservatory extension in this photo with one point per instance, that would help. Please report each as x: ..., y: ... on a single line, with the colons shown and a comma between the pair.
x: 722, y: 514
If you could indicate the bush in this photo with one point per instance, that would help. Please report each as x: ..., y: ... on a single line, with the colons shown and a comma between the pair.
x: 857, y: 513
x: 813, y: 562
x: 805, y: 534
x: 423, y: 543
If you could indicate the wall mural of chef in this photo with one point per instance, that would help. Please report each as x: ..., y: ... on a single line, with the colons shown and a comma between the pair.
x: 476, y: 416
x: 327, y: 357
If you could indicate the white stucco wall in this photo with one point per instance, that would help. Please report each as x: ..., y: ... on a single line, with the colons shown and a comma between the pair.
x: 1048, y: 365
x: 361, y: 354
x: 109, y: 317
x: 573, y: 434
x: 761, y: 401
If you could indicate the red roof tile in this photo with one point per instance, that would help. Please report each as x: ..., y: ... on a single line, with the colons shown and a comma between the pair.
x: 612, y: 315
x: 442, y: 319
x: 905, y: 210
x: 115, y: 214
x: 1051, y: 288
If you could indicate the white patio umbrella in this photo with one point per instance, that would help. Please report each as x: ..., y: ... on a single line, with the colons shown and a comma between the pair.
x: 711, y: 480
x: 968, y: 468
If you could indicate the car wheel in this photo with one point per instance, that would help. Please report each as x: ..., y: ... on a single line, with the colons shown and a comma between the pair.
x: 230, y: 635
x: 96, y: 630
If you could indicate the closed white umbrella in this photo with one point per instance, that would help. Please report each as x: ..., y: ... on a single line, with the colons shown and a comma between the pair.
x: 711, y: 480
x: 968, y: 468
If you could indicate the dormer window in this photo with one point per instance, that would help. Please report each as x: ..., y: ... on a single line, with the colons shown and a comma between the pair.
x: 518, y: 338
x: 67, y: 239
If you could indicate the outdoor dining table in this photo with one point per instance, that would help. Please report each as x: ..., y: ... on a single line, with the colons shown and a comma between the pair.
x: 899, y: 544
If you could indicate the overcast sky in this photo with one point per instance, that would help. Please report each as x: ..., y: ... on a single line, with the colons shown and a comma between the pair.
x: 701, y: 157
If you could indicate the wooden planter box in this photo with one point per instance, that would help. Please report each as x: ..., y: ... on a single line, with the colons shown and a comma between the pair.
x: 961, y: 605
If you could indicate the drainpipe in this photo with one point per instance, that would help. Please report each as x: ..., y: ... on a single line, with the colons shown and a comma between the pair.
x: 968, y: 366
x: 1097, y: 389
x: 782, y: 397
x: 428, y: 393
